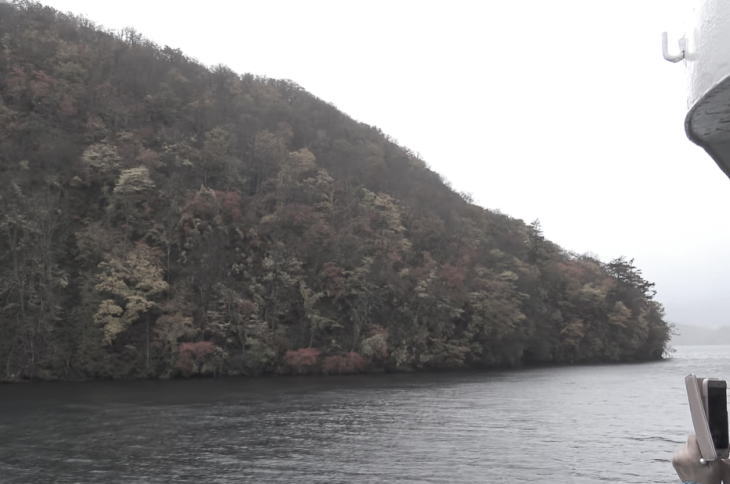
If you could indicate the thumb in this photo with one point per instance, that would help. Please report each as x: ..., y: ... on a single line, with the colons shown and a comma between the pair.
x: 724, y: 465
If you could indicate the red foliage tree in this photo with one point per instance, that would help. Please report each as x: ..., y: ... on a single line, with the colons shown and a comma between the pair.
x: 302, y: 360
x: 230, y: 204
x: 297, y: 216
x: 191, y: 356
x: 333, y: 278
x: 351, y: 362
x: 202, y: 205
x: 453, y: 276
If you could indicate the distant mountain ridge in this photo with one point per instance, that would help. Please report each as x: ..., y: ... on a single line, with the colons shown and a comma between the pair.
x: 686, y: 334
x: 163, y: 219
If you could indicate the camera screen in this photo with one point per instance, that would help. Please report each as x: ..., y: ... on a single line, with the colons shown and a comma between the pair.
x: 717, y: 413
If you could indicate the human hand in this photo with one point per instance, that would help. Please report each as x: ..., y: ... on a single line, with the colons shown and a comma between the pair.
x: 686, y: 462
x: 725, y: 470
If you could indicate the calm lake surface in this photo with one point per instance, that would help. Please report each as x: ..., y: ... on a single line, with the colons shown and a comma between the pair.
x: 570, y: 425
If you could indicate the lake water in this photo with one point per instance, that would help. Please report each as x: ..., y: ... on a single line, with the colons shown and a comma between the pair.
x: 570, y: 425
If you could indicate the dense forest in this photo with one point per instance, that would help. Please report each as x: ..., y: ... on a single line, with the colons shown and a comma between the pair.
x: 160, y: 218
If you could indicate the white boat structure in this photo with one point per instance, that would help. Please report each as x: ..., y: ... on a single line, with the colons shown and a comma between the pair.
x: 705, y: 50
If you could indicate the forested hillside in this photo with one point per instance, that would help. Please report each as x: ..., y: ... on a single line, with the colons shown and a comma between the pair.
x: 159, y: 218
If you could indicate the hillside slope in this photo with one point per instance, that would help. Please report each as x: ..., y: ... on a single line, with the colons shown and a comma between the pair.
x: 160, y: 219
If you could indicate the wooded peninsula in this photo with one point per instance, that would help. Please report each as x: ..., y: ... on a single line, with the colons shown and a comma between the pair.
x: 159, y: 218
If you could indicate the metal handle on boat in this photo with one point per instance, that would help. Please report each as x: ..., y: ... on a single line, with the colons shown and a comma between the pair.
x: 665, y: 48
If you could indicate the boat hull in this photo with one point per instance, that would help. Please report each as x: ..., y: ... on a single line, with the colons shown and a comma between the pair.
x: 707, y: 56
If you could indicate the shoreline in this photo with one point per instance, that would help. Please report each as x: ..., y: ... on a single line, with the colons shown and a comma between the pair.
x: 380, y: 371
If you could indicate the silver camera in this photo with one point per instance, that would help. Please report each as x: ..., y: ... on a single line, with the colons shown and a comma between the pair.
x: 708, y: 406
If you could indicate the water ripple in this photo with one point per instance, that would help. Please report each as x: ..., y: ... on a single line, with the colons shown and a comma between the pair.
x: 582, y: 425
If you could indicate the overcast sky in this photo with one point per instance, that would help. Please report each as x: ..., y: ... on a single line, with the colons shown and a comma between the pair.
x: 563, y: 111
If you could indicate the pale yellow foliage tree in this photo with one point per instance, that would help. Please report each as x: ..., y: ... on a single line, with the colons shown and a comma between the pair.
x: 132, y: 283
x: 101, y: 157
x: 391, y: 231
x: 134, y: 181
